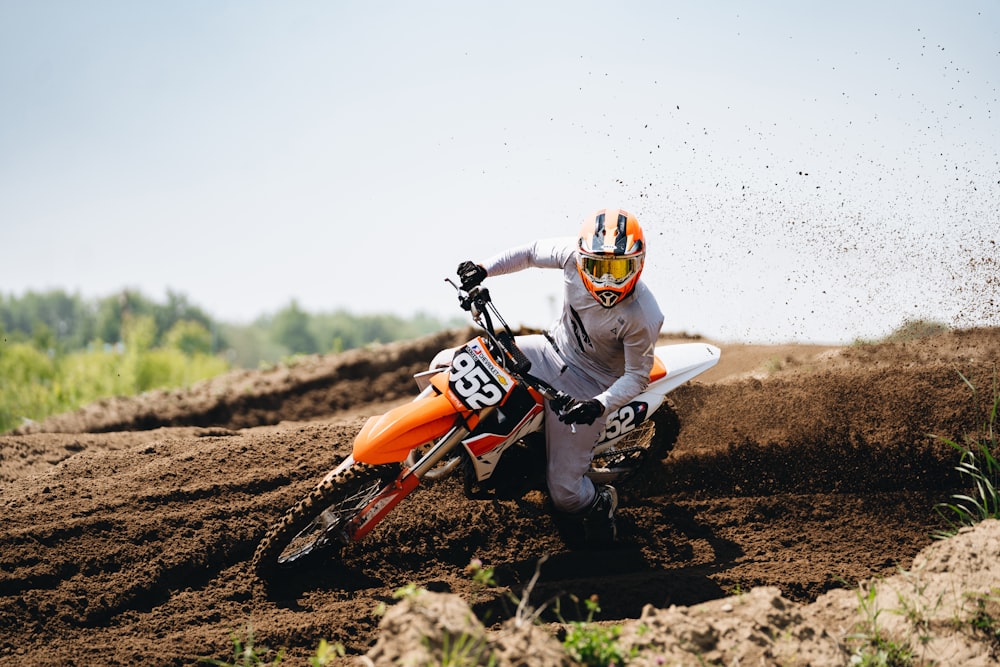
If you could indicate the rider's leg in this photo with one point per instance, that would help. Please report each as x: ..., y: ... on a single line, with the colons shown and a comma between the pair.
x: 569, y: 456
x: 569, y: 447
x: 442, y: 359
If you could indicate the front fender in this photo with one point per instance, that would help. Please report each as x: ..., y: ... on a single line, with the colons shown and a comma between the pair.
x: 389, y: 438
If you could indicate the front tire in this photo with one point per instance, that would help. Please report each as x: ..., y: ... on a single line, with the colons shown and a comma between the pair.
x: 317, y: 523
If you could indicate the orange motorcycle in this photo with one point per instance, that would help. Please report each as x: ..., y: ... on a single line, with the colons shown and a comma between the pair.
x: 465, y: 418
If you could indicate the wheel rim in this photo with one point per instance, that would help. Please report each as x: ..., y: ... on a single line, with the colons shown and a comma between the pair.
x: 329, y: 528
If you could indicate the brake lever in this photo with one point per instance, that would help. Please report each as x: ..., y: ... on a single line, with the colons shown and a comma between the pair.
x: 466, y: 299
x: 560, y: 404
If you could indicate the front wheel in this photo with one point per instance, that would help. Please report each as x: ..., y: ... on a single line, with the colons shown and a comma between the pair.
x: 318, y: 523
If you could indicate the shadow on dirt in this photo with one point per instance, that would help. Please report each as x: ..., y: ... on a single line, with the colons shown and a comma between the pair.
x: 286, y: 587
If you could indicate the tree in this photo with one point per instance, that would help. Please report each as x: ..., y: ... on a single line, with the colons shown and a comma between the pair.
x: 290, y: 328
x: 179, y: 309
x: 189, y: 337
x: 68, y: 318
x: 113, y: 311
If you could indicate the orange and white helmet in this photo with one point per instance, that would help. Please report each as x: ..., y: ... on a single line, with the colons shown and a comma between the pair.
x: 610, y: 254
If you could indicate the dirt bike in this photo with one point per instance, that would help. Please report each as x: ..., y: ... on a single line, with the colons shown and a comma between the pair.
x: 466, y: 417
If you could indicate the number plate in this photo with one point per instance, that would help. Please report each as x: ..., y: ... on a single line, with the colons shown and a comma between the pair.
x: 476, y: 380
x: 624, y: 420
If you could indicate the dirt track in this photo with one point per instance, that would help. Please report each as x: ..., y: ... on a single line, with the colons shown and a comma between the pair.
x: 128, y: 526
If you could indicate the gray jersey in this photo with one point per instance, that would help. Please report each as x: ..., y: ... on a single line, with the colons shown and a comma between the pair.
x: 613, y: 345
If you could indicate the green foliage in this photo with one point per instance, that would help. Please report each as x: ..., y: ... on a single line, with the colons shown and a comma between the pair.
x: 66, y: 323
x: 28, y: 384
x: 881, y: 652
x: 586, y: 642
x: 481, y: 574
x: 590, y: 643
x: 872, y: 647
x: 461, y: 650
x: 35, y: 384
x: 978, y: 463
x: 409, y: 591
x: 70, y: 320
x: 189, y: 337
x: 251, y: 346
x: 466, y: 651
x: 327, y: 653
x: 912, y: 330
x: 61, y: 323
x: 986, y: 620
x: 292, y: 331
x: 247, y: 654
x: 301, y: 333
x: 908, y: 331
x: 290, y: 328
x: 59, y: 352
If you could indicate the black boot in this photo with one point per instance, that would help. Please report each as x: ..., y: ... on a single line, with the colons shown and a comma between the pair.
x: 599, y: 520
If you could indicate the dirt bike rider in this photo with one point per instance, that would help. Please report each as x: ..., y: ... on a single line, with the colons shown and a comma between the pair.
x: 600, y: 351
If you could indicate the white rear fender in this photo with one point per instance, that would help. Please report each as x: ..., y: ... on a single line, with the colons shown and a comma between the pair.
x: 684, y: 362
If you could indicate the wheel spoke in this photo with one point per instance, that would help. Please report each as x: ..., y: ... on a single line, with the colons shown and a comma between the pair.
x: 318, y: 521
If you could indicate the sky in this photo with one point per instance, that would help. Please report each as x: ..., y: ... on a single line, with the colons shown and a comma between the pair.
x: 803, y: 171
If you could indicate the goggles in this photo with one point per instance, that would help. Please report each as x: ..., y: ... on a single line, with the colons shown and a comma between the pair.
x: 617, y: 269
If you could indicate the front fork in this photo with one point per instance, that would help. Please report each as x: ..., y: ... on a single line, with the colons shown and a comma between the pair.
x: 408, y: 479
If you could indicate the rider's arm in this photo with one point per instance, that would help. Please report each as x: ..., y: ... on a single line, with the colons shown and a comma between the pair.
x: 640, y: 343
x: 545, y: 254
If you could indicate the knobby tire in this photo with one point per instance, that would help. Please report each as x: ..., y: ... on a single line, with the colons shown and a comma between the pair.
x: 307, y: 526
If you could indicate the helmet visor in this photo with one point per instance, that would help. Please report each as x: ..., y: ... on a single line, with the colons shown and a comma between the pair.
x: 613, y: 269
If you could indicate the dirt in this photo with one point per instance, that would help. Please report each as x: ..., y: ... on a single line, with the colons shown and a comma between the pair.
x: 801, y: 472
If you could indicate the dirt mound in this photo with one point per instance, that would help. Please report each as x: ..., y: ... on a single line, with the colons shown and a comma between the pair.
x: 943, y: 600
x: 128, y: 526
x: 309, y: 387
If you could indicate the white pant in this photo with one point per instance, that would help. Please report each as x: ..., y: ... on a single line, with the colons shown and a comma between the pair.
x: 569, y: 449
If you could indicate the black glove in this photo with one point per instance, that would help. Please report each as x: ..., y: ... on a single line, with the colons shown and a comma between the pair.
x: 471, y: 274
x: 584, y: 412
x: 561, y: 402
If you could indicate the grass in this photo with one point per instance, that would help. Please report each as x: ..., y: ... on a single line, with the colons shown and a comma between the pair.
x: 985, y: 621
x: 465, y: 651
x: 247, y: 653
x: 36, y: 383
x: 592, y: 644
x: 773, y: 365
x: 907, y: 332
x: 872, y: 646
x: 586, y: 642
x: 462, y: 649
x: 979, y: 465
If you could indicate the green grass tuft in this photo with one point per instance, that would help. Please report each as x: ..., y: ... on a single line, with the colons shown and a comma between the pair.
x: 979, y: 465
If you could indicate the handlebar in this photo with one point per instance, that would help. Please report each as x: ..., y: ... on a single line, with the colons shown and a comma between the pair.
x: 478, y: 302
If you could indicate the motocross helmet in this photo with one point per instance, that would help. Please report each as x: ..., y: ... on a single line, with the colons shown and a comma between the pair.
x: 610, y: 254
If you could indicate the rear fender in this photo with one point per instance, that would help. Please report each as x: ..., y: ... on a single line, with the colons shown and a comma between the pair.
x: 681, y: 362
x: 675, y: 365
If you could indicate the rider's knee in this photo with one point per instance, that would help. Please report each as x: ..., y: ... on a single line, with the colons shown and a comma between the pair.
x: 442, y: 359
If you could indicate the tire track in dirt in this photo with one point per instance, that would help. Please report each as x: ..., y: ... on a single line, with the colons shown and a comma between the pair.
x: 135, y: 547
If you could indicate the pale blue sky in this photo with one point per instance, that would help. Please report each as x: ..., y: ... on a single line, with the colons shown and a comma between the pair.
x: 807, y: 171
